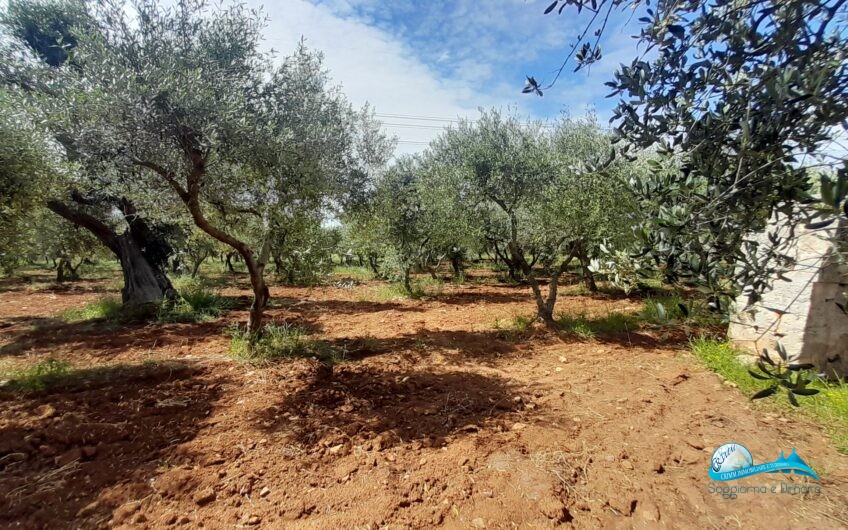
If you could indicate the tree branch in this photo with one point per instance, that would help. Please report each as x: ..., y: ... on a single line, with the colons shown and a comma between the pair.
x: 106, y: 235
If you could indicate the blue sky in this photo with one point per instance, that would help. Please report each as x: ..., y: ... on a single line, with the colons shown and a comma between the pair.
x: 440, y: 58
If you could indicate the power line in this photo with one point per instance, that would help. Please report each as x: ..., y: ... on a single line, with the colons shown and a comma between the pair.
x: 436, y: 119
x: 419, y: 118
x: 416, y: 126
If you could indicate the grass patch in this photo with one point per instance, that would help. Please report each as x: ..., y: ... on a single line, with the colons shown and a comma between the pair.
x: 197, y: 302
x: 421, y: 288
x: 674, y: 309
x: 513, y: 329
x: 587, y: 327
x: 107, y: 308
x: 828, y: 408
x: 354, y: 272
x: 38, y: 376
x: 280, y: 341
x: 56, y: 375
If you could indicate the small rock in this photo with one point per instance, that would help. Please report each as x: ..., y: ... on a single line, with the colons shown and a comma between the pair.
x: 649, y: 511
x: 478, y: 522
x: 516, y: 399
x: 88, y: 509
x: 46, y: 411
x: 204, y: 496
x: 253, y: 520
x: 562, y: 359
x: 89, y: 451
x: 731, y: 384
x: 335, y: 449
x: 517, y: 426
x: 264, y: 492
x: 627, y: 464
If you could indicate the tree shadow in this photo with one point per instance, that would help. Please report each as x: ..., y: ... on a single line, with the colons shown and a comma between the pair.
x: 347, y: 307
x: 91, y: 430
x: 480, y: 346
x: 469, y: 297
x: 106, y: 338
x: 367, y: 406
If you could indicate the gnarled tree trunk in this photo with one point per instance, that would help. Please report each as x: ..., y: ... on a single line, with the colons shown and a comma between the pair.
x: 145, y: 282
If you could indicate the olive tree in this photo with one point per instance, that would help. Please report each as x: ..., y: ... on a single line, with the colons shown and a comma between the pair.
x: 43, y: 37
x: 589, y: 207
x: 744, y: 98
x: 402, y: 218
x: 507, y: 166
x: 182, y: 100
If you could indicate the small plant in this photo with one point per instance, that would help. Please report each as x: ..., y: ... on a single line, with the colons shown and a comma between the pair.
x: 587, y: 328
x: 514, y: 329
x: 280, y: 341
x: 107, y: 308
x: 664, y: 310
x: 781, y: 374
x: 197, y: 302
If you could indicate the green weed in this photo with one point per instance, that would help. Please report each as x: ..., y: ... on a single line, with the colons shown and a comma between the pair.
x: 107, y: 308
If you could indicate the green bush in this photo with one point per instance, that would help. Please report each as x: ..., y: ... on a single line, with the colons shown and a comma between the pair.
x: 105, y: 308
x: 587, y: 327
x: 675, y: 309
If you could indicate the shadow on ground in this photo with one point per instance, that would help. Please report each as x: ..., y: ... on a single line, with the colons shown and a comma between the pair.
x: 61, y: 447
x: 366, y: 405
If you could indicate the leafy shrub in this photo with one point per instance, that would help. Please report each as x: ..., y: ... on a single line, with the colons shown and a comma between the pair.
x: 674, y: 309
x: 105, y: 308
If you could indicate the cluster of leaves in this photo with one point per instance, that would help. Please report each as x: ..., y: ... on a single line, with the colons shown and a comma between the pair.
x: 743, y: 100
x: 783, y: 375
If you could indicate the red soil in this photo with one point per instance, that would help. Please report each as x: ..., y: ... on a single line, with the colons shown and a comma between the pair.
x: 435, y: 419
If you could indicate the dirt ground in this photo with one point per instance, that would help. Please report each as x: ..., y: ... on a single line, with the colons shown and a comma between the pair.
x: 435, y: 419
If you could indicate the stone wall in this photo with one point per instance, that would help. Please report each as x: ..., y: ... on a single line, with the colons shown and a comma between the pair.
x: 801, y: 313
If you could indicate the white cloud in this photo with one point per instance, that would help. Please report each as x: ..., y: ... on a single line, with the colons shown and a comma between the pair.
x: 371, y: 66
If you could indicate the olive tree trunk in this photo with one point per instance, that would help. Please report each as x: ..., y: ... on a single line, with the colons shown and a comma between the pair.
x: 145, y: 282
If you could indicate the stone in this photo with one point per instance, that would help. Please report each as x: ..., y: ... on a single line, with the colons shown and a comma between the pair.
x: 264, y: 492
x: 88, y: 509
x: 204, y: 496
x: 478, y: 522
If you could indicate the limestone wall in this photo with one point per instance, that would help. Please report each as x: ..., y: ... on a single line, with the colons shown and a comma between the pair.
x: 801, y: 314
